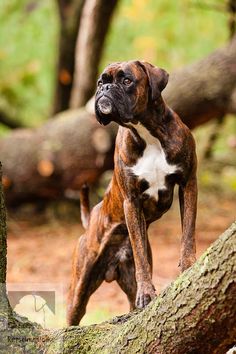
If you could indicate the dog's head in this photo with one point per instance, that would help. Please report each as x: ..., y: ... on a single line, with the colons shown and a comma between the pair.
x: 126, y: 90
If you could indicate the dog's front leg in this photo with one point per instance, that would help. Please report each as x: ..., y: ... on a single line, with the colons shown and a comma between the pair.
x: 138, y: 237
x: 188, y: 210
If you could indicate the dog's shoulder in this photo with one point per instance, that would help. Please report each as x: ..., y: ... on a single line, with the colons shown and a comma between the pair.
x: 129, y: 147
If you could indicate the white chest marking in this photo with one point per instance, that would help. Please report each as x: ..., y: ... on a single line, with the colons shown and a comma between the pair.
x: 152, y: 165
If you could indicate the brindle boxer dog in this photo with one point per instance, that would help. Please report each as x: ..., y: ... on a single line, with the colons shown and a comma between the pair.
x: 154, y: 152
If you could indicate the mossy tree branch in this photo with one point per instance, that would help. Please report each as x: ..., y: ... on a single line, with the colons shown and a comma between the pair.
x: 195, y: 314
x: 206, y: 89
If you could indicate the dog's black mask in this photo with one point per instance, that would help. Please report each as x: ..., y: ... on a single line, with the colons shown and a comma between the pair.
x: 112, y: 104
x: 126, y: 90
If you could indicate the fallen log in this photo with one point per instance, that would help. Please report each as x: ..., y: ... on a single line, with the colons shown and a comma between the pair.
x: 56, y: 159
x: 49, y: 162
x: 206, y: 89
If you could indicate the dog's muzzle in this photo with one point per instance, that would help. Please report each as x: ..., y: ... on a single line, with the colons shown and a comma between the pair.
x: 104, y: 105
x: 104, y: 110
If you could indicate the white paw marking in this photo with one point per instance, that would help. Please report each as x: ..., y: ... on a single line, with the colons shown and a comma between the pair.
x: 152, y: 165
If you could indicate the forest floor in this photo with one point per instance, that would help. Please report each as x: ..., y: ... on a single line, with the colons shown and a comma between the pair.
x: 40, y: 253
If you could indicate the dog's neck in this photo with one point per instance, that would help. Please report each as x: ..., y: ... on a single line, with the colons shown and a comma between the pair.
x: 155, y: 118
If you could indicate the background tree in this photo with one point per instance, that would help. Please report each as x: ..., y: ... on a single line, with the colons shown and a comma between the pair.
x: 70, y: 15
x: 78, y: 68
x: 95, y: 22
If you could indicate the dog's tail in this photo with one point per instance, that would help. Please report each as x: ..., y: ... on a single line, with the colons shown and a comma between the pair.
x: 84, y: 205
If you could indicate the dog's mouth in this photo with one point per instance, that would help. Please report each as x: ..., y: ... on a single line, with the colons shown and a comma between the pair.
x: 104, y: 110
x: 104, y: 105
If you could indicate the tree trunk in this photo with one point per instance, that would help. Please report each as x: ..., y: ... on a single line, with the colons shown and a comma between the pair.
x: 95, y: 21
x: 17, y: 334
x: 70, y: 14
x: 206, y: 89
x: 49, y: 162
x: 4, y: 305
x: 195, y: 314
x: 68, y: 151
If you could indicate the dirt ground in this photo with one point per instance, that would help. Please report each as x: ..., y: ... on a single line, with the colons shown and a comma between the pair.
x: 40, y: 252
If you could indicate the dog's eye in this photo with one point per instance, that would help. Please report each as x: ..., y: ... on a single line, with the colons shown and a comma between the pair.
x: 99, y: 84
x: 127, y: 81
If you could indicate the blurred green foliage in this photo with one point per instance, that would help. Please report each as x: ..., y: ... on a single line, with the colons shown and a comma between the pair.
x: 170, y: 33
x: 218, y: 173
x: 98, y: 315
x: 28, y: 50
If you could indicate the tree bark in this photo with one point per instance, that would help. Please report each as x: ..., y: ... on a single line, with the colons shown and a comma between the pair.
x: 195, y: 314
x: 205, y: 89
x: 17, y: 334
x: 95, y: 20
x: 3, y: 242
x: 4, y: 304
x: 70, y: 14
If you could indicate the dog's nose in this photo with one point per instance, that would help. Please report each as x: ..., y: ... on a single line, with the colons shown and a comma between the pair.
x: 106, y: 87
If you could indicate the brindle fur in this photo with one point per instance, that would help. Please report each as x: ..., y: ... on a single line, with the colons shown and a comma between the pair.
x: 115, y: 245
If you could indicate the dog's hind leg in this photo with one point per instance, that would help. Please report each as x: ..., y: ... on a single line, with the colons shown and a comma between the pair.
x: 127, y: 282
x: 86, y: 278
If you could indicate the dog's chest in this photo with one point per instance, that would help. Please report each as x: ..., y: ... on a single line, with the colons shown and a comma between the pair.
x: 152, y: 166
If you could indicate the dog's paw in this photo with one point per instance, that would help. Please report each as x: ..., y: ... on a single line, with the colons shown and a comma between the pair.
x: 145, y: 293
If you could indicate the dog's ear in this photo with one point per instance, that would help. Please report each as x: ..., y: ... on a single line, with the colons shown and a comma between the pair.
x: 157, y: 78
